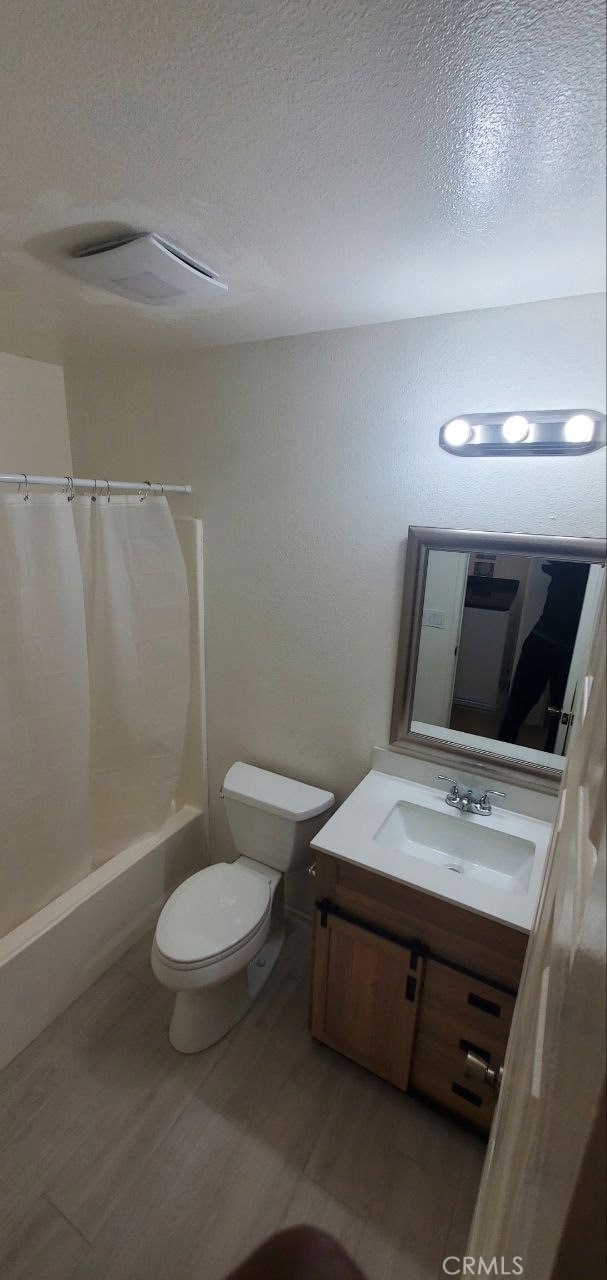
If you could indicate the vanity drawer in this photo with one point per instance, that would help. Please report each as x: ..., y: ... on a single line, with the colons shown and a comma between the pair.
x: 475, y: 1005
x: 437, y: 1077
x: 439, y: 1032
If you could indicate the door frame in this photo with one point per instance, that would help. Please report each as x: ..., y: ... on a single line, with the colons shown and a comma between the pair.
x: 540, y: 1184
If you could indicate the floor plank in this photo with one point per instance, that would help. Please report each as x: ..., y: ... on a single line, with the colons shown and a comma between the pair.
x: 107, y: 1163
x: 95, y: 1012
x: 260, y: 1178
x: 407, y: 1223
x: 439, y: 1143
x: 79, y: 1108
x: 349, y: 1158
x: 312, y: 1205
x: 29, y: 1082
x: 157, y: 1231
x: 42, y: 1244
x: 459, y: 1228
x: 136, y: 961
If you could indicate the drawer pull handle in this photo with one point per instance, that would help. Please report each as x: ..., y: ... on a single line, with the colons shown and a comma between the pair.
x: 476, y: 1068
x: 487, y: 1006
x: 466, y: 1094
x: 467, y: 1046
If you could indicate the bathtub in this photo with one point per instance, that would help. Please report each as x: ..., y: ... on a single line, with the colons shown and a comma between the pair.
x: 50, y: 959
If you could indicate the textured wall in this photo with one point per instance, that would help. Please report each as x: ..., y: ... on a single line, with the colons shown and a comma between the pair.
x: 33, y: 417
x: 309, y: 457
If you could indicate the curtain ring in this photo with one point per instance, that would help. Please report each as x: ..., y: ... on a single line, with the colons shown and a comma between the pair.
x: 109, y: 491
x: 94, y: 493
x: 142, y: 493
x: 27, y: 492
x: 70, y: 489
x: 161, y: 487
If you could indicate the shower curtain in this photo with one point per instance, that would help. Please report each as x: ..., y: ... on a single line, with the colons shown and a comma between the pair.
x: 94, y: 686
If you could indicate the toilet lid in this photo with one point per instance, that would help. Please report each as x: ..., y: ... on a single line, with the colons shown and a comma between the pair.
x: 213, y: 912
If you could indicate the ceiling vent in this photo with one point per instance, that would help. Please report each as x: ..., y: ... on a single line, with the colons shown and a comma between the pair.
x: 145, y: 268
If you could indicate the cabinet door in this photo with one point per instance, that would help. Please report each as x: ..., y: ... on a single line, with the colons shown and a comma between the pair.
x: 364, y: 997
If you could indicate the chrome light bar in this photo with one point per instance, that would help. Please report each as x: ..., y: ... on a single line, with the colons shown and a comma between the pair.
x: 529, y: 431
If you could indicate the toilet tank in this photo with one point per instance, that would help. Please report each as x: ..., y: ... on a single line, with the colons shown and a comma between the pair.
x: 273, y: 819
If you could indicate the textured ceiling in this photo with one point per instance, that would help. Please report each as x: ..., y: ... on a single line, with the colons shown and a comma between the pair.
x: 337, y: 162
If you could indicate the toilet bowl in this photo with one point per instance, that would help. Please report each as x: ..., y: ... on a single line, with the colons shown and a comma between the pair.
x: 220, y: 933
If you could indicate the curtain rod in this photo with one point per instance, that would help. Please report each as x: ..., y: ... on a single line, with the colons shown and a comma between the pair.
x: 101, y: 483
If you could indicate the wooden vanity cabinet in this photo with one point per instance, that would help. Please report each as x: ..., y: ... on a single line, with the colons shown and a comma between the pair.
x: 407, y: 984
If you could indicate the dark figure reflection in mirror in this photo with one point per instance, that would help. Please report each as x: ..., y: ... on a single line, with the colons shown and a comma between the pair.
x: 546, y: 654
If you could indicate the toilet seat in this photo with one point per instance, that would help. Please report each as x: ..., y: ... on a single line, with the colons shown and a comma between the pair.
x: 213, y: 915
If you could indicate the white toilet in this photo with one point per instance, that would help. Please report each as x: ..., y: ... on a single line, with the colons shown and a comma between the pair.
x: 220, y: 933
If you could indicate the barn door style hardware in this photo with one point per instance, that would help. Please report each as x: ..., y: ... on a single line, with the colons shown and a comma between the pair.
x: 328, y: 908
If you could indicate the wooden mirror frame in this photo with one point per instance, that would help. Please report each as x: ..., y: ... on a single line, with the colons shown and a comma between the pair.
x: 420, y: 542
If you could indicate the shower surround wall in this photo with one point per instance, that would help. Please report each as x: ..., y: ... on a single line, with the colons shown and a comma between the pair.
x: 309, y: 457
x: 33, y: 417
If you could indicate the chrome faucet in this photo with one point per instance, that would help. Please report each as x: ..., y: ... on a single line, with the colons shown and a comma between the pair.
x: 468, y: 801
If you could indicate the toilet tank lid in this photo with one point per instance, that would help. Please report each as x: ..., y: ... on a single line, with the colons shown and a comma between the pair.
x: 265, y: 790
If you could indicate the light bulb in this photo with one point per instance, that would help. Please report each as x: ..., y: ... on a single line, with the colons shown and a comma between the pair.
x: 457, y: 432
x: 579, y: 429
x: 515, y: 429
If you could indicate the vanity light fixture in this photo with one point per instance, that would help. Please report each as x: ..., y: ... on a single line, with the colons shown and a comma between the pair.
x: 541, y: 431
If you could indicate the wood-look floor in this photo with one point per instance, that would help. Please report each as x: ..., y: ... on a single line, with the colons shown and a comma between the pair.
x: 123, y: 1160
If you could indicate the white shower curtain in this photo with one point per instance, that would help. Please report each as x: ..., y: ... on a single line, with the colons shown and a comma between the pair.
x: 44, y: 706
x: 94, y: 686
x: 137, y: 621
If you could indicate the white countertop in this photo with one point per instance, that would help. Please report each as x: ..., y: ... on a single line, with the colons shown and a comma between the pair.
x: 350, y: 835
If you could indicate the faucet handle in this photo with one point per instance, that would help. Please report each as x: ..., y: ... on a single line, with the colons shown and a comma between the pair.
x: 484, y: 800
x: 442, y: 777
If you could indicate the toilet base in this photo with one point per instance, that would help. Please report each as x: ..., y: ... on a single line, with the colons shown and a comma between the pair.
x: 202, y: 1017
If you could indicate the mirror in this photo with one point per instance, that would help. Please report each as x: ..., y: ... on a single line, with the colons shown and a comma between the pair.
x: 495, y: 635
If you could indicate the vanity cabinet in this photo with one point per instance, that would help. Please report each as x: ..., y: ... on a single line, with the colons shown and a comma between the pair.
x: 407, y: 985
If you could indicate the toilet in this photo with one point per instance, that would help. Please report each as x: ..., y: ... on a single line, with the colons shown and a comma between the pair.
x: 220, y: 933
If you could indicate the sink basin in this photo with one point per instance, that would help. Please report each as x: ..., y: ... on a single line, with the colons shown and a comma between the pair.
x: 456, y: 843
x: 402, y: 829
